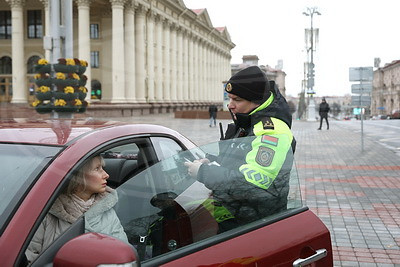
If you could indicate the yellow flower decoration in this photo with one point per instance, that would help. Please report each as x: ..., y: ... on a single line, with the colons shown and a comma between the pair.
x: 70, y: 61
x: 69, y: 90
x: 84, y: 63
x: 44, y: 89
x: 43, y: 61
x: 75, y: 76
x: 60, y: 102
x: 37, y: 102
x: 83, y: 89
x: 37, y: 76
x: 78, y: 102
x: 60, y: 76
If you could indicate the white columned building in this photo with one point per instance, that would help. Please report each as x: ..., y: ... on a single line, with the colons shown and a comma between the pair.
x: 142, y: 54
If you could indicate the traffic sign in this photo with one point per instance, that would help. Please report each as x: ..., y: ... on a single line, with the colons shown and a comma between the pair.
x: 361, y: 100
x: 361, y: 74
x: 363, y: 88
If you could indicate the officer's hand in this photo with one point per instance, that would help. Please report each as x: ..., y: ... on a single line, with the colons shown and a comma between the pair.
x: 193, y: 167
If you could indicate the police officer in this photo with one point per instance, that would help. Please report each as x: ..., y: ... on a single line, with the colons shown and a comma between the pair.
x: 252, y: 179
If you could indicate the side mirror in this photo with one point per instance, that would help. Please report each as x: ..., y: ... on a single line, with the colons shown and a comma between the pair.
x: 94, y: 249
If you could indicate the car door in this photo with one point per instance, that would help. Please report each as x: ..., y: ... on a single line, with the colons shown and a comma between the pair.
x: 124, y: 158
x: 172, y: 219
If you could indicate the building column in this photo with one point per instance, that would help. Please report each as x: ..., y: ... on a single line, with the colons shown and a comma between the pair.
x: 130, y: 53
x: 159, y: 59
x: 173, y: 63
x: 191, y: 68
x: 167, y: 62
x: 150, y: 56
x: 19, y: 83
x: 140, y: 53
x: 179, y: 40
x: 118, y: 52
x: 84, y: 38
x: 185, y: 66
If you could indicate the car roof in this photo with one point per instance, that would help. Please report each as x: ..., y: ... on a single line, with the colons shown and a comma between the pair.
x: 61, y: 131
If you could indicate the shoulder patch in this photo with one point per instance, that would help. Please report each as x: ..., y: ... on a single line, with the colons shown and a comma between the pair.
x: 268, y: 124
x: 265, y: 155
x: 269, y: 140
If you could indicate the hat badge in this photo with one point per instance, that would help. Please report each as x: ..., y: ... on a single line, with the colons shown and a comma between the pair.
x: 229, y: 87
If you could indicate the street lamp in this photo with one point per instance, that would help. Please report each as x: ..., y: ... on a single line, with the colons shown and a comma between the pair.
x: 310, y: 12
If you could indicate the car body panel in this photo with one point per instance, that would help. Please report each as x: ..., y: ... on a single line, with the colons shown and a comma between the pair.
x: 267, y: 246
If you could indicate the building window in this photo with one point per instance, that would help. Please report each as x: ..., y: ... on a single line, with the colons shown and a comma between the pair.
x: 94, y: 59
x: 5, y: 24
x: 94, y: 31
x: 32, y: 61
x: 35, y: 27
x: 5, y: 65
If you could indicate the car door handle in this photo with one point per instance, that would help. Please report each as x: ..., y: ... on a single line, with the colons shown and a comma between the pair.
x: 319, y: 254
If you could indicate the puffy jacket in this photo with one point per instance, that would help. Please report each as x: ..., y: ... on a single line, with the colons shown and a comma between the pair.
x: 100, y: 218
x: 252, y: 181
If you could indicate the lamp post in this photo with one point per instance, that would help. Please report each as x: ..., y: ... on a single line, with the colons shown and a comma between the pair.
x: 311, y: 11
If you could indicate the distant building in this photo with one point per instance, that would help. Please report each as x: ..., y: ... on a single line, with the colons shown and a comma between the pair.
x: 385, y: 97
x: 274, y: 74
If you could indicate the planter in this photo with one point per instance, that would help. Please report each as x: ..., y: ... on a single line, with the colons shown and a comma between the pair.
x: 66, y: 109
x: 81, y: 70
x: 44, y: 82
x: 82, y: 82
x: 44, y: 96
x: 66, y: 82
x: 82, y: 95
x: 42, y: 68
x: 81, y: 110
x: 66, y: 97
x: 44, y: 109
x: 65, y: 68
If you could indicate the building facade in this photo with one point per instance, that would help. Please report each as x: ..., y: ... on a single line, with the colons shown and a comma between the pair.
x: 385, y: 97
x: 273, y: 74
x: 143, y: 54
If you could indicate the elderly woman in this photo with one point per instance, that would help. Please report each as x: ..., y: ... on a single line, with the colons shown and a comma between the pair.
x: 87, y: 188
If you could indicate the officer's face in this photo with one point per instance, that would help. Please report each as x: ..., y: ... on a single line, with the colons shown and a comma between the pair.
x: 240, y: 105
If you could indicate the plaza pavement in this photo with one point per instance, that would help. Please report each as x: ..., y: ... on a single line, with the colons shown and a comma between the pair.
x: 355, y: 193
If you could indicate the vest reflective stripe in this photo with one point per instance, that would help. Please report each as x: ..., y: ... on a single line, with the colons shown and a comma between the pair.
x: 263, y: 172
x: 219, y: 212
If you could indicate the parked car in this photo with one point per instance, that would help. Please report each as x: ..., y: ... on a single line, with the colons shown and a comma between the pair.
x: 164, y: 212
x: 395, y: 114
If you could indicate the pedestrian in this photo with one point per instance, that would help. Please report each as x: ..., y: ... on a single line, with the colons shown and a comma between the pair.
x: 212, y: 110
x: 87, y: 188
x: 323, y: 113
x: 251, y: 177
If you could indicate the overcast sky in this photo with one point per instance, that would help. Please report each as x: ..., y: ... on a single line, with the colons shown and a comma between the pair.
x: 351, y: 34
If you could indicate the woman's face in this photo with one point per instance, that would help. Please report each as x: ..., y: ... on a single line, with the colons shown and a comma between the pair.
x: 96, y: 178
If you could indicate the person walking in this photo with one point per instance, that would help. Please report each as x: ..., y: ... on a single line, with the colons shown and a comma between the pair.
x: 323, y: 113
x: 212, y: 110
x: 256, y: 183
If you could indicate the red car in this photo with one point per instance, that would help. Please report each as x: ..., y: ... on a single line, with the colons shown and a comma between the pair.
x: 146, y: 167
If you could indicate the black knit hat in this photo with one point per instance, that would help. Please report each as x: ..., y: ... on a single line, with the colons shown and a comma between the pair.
x: 251, y: 84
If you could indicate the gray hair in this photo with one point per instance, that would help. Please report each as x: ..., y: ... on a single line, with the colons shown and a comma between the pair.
x: 78, y: 178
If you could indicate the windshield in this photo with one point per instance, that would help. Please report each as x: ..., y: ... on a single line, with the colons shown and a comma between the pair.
x: 166, y: 207
x: 19, y: 165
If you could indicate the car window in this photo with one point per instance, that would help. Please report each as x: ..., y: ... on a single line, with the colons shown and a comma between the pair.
x: 164, y: 208
x: 165, y: 147
x: 19, y: 165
